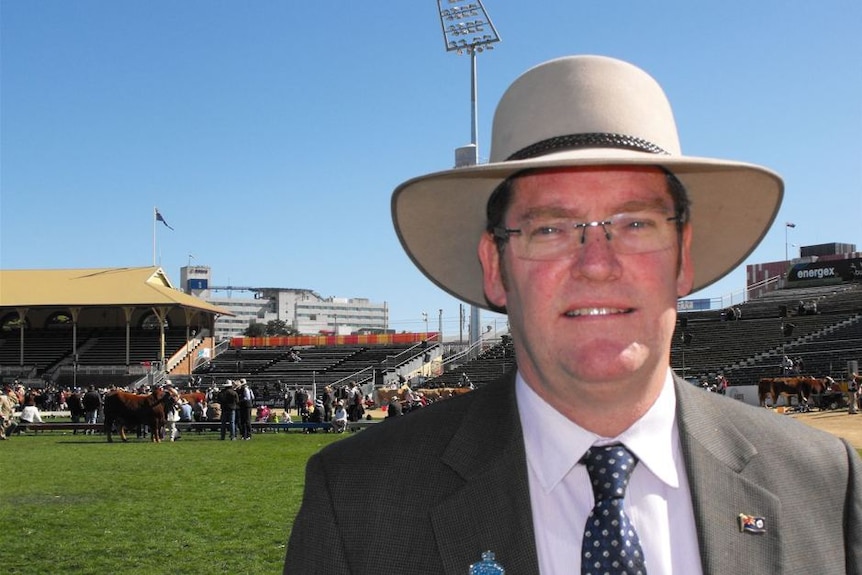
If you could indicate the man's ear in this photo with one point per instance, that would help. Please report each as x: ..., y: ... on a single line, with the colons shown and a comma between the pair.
x: 492, y: 271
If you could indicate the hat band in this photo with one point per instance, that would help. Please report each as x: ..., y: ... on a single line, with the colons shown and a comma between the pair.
x: 578, y: 141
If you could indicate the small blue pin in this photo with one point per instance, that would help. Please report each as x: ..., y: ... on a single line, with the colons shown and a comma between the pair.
x: 487, y: 566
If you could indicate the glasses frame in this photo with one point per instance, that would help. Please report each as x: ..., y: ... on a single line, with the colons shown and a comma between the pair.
x: 504, y: 234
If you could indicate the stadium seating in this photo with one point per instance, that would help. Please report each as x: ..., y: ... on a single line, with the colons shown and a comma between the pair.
x: 752, y: 347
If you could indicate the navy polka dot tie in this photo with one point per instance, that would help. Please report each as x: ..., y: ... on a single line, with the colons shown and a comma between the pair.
x: 611, y: 545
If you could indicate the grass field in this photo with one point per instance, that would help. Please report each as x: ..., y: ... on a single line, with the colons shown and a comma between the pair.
x: 77, y: 504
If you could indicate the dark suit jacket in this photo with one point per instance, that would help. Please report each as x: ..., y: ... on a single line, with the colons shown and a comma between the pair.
x: 430, y: 491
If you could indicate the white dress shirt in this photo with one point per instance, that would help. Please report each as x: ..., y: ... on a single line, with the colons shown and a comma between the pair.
x: 658, y: 500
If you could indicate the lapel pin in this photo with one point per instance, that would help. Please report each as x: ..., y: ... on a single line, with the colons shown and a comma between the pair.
x: 487, y: 566
x: 751, y: 524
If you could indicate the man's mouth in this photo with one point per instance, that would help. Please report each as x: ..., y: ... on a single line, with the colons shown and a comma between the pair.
x: 597, y: 311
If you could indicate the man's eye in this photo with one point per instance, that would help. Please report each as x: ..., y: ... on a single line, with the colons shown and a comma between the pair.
x: 637, y: 222
x: 546, y: 230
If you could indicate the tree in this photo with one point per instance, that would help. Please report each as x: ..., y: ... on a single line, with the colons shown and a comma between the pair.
x: 255, y: 330
x: 279, y: 327
x: 275, y: 327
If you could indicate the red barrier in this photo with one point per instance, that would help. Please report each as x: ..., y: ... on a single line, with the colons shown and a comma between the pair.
x: 332, y: 340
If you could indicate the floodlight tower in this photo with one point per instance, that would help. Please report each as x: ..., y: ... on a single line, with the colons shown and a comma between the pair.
x: 467, y: 28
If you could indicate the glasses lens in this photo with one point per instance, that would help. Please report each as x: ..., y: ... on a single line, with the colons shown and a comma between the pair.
x: 641, y: 232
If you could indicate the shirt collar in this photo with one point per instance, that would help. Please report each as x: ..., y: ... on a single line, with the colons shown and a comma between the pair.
x: 555, y: 444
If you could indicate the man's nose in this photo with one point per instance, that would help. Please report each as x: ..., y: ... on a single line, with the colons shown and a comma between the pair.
x: 596, y: 257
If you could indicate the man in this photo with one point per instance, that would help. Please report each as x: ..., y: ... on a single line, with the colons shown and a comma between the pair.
x: 187, y: 411
x: 29, y: 414
x: 172, y: 411
x: 394, y: 409
x: 8, y: 402
x: 339, y: 422
x: 585, y: 227
x: 786, y: 365
x: 853, y: 394
x: 301, y: 398
x: 76, y: 407
x: 246, y: 402
x: 228, y: 400
x: 328, y: 399
x: 92, y: 402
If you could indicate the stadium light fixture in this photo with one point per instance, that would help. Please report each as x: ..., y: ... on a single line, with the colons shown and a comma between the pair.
x: 467, y: 28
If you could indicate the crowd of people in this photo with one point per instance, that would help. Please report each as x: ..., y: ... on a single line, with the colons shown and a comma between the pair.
x: 231, y: 407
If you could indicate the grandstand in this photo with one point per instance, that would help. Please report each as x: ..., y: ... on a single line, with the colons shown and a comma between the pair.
x: 98, y: 325
x: 273, y: 371
x: 752, y: 346
x: 322, y: 365
x: 488, y: 366
x: 101, y: 353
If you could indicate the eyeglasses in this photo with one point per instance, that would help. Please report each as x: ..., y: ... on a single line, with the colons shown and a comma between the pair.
x: 552, y: 238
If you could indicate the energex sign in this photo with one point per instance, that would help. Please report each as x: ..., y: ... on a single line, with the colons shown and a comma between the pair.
x: 841, y: 270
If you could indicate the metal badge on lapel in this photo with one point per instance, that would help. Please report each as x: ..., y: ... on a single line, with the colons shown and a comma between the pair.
x: 751, y: 524
x: 487, y: 566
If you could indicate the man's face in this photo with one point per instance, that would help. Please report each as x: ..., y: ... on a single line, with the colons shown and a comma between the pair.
x: 594, y: 315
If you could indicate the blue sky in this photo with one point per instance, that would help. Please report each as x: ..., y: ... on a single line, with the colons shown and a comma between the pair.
x: 270, y: 134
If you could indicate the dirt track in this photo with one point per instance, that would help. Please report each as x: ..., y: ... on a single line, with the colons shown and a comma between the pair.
x: 837, y: 422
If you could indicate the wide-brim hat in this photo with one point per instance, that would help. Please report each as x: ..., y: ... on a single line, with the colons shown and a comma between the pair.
x: 582, y: 111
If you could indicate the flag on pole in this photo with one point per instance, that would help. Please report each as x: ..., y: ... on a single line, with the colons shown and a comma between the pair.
x: 160, y: 218
x: 790, y: 225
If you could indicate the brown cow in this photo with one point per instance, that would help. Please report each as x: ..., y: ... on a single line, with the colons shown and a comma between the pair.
x: 194, y: 397
x: 801, y: 386
x: 129, y: 409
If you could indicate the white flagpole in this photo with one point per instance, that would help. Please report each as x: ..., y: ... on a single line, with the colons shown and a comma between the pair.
x: 155, y: 209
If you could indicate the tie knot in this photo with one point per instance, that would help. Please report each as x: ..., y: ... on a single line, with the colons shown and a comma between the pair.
x: 610, y: 467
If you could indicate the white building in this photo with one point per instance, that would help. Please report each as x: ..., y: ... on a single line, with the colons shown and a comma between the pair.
x: 303, y: 309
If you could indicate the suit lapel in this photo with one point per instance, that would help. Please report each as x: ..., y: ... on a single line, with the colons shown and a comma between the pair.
x: 491, y: 512
x: 716, y: 453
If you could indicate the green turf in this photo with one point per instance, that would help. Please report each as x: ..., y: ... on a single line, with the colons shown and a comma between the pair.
x: 77, y: 504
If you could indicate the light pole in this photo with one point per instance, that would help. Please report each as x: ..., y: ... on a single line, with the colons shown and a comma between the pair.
x: 468, y: 28
x: 440, y: 325
x: 786, y: 227
x: 425, y: 319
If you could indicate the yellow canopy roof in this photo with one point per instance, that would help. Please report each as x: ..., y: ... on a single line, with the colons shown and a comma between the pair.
x: 145, y: 286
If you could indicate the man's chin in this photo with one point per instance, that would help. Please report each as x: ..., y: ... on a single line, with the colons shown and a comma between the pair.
x: 607, y: 361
